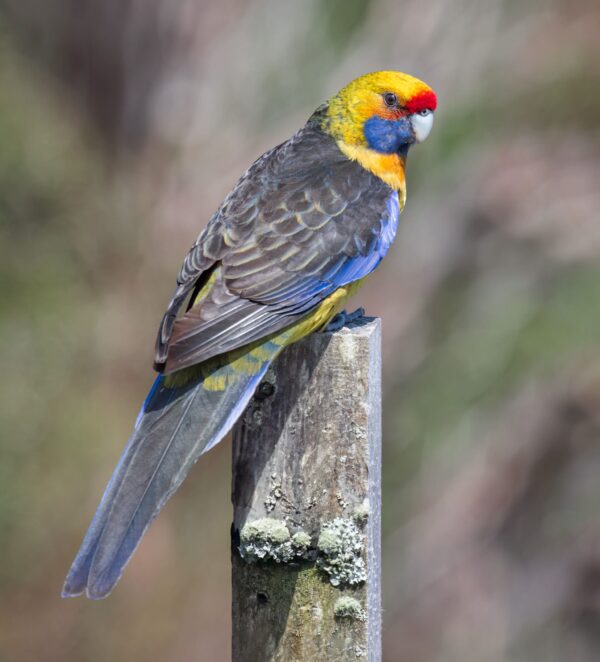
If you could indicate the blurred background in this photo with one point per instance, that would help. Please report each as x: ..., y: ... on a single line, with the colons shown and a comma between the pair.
x: 123, y: 125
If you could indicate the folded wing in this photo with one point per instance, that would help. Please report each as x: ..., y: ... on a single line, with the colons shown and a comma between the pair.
x: 303, y: 221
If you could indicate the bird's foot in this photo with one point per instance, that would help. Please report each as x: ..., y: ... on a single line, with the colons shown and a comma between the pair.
x: 342, y: 319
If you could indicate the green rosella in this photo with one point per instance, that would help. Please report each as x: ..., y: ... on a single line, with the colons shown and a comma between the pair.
x: 299, y: 232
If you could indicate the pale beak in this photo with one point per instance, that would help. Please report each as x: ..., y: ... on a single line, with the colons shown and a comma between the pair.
x: 421, y: 124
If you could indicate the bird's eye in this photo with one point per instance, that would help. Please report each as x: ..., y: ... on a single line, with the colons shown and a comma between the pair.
x: 425, y: 112
x: 390, y: 99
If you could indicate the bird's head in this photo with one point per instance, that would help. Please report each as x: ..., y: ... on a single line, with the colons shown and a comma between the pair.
x: 376, y: 118
x: 385, y: 111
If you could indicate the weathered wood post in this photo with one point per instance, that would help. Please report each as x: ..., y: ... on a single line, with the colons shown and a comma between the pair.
x: 307, y: 502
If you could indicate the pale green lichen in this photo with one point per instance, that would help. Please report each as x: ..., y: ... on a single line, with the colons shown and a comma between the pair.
x: 347, y: 607
x: 361, y: 513
x: 340, y: 546
x: 270, y: 539
x: 301, y: 540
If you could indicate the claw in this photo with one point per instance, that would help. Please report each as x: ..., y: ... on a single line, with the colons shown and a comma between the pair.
x: 343, y: 319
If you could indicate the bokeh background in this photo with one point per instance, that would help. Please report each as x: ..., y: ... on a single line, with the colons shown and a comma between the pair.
x: 122, y: 126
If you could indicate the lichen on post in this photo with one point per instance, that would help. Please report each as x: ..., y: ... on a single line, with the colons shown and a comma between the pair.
x: 307, y: 502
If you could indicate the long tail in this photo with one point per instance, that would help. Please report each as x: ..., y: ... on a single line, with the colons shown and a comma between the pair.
x: 175, y: 426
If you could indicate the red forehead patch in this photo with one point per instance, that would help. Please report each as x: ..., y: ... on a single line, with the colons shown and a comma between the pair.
x: 425, y: 100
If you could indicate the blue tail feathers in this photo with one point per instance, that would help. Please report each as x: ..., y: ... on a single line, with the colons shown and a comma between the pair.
x: 174, y: 427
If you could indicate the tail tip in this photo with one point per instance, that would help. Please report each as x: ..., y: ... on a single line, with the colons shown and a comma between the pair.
x: 94, y: 592
x: 70, y: 591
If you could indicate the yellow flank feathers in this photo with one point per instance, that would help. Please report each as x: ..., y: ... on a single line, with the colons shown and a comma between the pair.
x: 205, y: 289
x: 321, y: 316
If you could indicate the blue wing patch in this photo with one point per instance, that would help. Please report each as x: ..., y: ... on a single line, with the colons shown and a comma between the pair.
x: 304, y: 295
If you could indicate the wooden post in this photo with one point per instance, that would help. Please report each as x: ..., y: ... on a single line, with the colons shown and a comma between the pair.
x: 307, y: 503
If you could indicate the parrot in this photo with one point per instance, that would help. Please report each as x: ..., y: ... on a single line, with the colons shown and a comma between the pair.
x: 300, y: 231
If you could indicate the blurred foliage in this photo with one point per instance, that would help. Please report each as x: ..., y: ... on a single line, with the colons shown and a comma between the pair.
x: 122, y: 125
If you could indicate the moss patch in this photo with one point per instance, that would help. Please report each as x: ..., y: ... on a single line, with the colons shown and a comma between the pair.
x: 347, y: 607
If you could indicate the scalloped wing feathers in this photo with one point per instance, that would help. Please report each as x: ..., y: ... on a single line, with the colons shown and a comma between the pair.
x: 302, y: 221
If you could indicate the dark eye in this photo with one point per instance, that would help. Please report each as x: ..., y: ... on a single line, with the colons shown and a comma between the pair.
x: 425, y: 112
x: 390, y: 99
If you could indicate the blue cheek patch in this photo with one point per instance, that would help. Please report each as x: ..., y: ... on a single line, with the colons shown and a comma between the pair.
x: 388, y: 136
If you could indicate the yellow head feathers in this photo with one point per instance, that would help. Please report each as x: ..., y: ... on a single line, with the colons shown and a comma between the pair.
x: 365, y: 97
x: 376, y: 118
